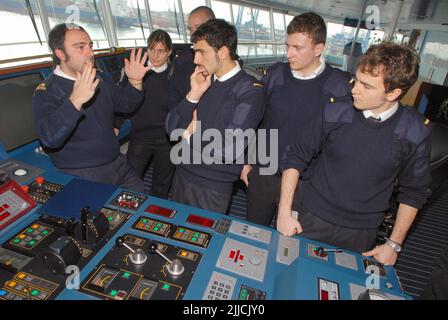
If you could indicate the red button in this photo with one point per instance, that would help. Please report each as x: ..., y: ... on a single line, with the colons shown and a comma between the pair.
x: 1, y: 209
x: 232, y: 254
x: 6, y: 206
x: 40, y: 180
x: 26, y: 188
x: 241, y: 257
x: 4, y: 215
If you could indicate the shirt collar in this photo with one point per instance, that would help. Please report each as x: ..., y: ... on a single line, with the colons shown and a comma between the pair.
x: 229, y: 74
x: 57, y: 71
x: 161, y: 68
x: 384, y: 115
x: 313, y: 74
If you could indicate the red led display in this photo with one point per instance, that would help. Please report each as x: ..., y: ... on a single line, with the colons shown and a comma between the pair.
x: 200, y: 221
x: 160, y: 211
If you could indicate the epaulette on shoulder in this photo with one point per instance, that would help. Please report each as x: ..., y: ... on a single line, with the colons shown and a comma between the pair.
x: 41, y: 87
x: 258, y: 84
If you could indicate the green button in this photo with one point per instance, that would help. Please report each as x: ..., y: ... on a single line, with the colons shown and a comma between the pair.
x: 113, y: 293
x: 32, y: 242
x: 156, y: 229
x: 126, y: 275
x: 110, y: 218
x: 34, y: 293
x: 159, y: 225
x: 181, y: 230
x: 194, y: 239
x: 196, y: 234
x: 30, y: 230
x: 45, y: 232
x: 16, y: 240
x: 166, y: 287
x: 144, y: 220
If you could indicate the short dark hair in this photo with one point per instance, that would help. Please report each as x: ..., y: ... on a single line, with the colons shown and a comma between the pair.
x: 310, y: 23
x: 218, y: 33
x: 160, y: 36
x: 399, y: 65
x: 56, y: 38
x: 204, y: 9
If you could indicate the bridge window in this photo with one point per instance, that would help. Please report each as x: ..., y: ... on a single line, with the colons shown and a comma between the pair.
x: 82, y: 12
x: 187, y: 7
x: 165, y: 15
x: 131, y: 22
x: 279, y: 32
x: 18, y: 37
x: 222, y: 10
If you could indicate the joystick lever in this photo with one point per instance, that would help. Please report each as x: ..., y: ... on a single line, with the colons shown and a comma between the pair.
x: 84, y: 224
x: 136, y: 256
x: 175, y: 267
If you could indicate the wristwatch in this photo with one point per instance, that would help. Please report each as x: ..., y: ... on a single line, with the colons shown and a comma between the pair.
x: 394, y: 245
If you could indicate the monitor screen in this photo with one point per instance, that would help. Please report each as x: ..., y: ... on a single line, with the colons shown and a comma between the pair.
x: 16, y: 114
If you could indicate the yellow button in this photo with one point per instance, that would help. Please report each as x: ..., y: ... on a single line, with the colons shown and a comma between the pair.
x: 21, y: 275
x: 12, y: 284
x: 35, y: 226
x: 22, y: 236
x: 184, y: 253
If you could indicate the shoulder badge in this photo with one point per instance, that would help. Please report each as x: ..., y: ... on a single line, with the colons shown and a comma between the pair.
x: 256, y: 84
x: 41, y: 87
x: 426, y: 122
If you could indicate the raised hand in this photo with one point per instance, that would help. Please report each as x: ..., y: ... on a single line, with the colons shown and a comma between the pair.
x: 200, y: 81
x: 135, y: 67
x: 84, y: 87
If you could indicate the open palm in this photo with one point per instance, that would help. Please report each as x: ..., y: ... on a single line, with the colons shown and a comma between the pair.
x: 135, y: 67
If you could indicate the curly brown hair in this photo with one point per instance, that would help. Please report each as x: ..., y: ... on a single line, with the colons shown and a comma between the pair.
x: 399, y: 65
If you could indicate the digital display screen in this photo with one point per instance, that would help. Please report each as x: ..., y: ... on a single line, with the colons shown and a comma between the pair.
x: 200, y: 221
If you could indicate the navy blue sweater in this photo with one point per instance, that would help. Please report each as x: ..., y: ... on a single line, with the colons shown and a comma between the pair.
x: 180, y: 81
x: 86, y: 138
x: 237, y: 103
x: 359, y: 164
x: 293, y: 104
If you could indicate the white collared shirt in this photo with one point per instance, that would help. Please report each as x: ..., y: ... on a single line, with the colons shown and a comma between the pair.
x: 383, y: 115
x: 313, y: 74
x: 161, y: 68
x: 229, y: 74
x: 57, y: 71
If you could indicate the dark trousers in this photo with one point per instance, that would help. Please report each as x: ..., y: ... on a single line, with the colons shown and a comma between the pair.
x: 118, y: 173
x: 263, y: 195
x: 185, y: 192
x: 359, y: 240
x: 140, y: 153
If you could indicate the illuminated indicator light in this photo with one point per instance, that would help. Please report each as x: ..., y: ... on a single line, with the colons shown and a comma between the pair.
x: 159, y: 225
x: 12, y: 284
x: 22, y: 236
x: 181, y: 230
x: 156, y: 229
x: 45, y: 232
x: 32, y: 242
x: 237, y: 256
x: 324, y: 295
x: 194, y: 239
x: 34, y: 293
x: 30, y: 230
x: 145, y: 220
x: 196, y: 234
x: 110, y: 218
x: 183, y: 253
x: 16, y: 240
x: 232, y: 254
x: 126, y: 275
x: 3, y: 293
x: 113, y: 293
x: 35, y: 226
x: 166, y: 287
x: 241, y: 257
x: 21, y: 275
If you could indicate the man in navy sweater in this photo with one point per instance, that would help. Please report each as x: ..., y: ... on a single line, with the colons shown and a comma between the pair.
x: 222, y: 98
x: 296, y: 92
x: 74, y: 110
x: 363, y: 153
